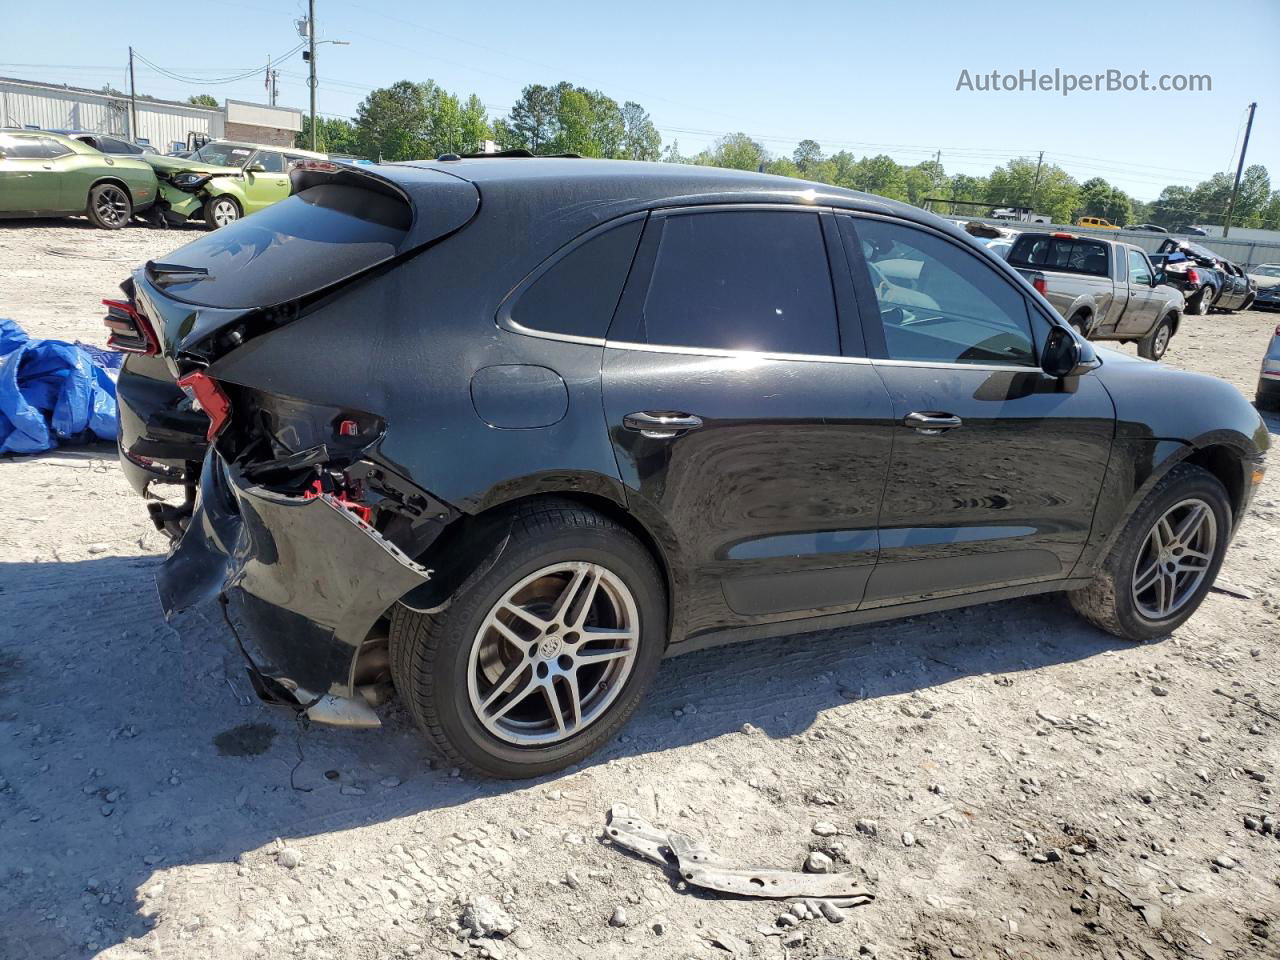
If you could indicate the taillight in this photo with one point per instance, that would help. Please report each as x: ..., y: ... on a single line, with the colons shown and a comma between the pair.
x: 209, y: 395
x: 1039, y: 284
x: 1193, y: 276
x: 131, y: 332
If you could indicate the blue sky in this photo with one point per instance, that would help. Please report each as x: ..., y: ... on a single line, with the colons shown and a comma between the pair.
x: 854, y: 75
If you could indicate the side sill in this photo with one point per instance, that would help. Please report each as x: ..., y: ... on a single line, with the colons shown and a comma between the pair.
x: 762, y: 631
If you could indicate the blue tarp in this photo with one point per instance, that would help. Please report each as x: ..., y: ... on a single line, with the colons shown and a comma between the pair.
x: 52, y: 391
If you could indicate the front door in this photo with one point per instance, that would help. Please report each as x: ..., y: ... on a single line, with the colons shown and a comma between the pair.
x: 1140, y: 314
x: 996, y: 467
x: 266, y: 181
x: 746, y: 421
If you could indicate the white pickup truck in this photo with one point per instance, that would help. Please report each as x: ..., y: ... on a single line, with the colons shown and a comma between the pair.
x: 1106, y: 290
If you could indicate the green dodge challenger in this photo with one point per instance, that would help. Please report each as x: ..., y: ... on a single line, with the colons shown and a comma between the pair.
x: 48, y: 175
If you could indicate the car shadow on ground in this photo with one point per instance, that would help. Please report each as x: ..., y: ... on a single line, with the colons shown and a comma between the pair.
x: 128, y: 745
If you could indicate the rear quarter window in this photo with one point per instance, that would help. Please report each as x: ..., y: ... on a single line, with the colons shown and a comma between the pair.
x: 578, y: 292
x: 1068, y: 254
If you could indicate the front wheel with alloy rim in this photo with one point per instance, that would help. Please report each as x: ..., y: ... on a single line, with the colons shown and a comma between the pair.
x: 220, y: 211
x: 1164, y: 561
x: 542, y: 655
x: 109, y: 206
x: 1204, y: 301
x: 1154, y: 345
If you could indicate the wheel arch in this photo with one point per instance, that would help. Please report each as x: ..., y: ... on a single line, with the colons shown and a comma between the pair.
x: 114, y: 181
x: 477, y: 539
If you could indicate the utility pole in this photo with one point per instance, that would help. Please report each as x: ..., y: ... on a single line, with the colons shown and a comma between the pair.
x: 133, y: 101
x: 1035, y: 184
x: 311, y: 81
x: 1231, y: 207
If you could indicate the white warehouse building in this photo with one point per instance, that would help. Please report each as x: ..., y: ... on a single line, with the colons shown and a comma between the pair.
x: 165, y: 124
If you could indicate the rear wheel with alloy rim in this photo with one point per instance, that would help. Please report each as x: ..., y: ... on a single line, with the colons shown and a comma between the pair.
x: 1154, y: 345
x: 109, y: 206
x: 541, y: 656
x: 220, y: 211
x: 1164, y: 561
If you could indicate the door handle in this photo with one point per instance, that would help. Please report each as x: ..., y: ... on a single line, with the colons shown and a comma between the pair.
x: 931, y: 424
x: 661, y: 426
x: 46, y: 166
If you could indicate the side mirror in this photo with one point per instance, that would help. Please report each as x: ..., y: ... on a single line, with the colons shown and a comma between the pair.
x: 1159, y: 278
x: 256, y: 168
x: 1066, y: 356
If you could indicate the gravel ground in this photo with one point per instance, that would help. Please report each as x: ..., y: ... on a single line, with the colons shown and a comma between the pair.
x: 1009, y: 782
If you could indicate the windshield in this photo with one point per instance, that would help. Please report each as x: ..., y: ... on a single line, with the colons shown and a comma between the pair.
x: 1267, y: 271
x: 223, y: 154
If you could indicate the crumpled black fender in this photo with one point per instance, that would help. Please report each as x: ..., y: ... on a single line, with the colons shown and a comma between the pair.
x: 306, y: 576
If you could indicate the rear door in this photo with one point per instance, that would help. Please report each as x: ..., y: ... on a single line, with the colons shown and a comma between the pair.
x: 32, y: 172
x: 996, y: 467
x: 745, y: 417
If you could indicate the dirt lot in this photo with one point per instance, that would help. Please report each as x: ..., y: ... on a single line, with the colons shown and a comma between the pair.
x: 1030, y: 787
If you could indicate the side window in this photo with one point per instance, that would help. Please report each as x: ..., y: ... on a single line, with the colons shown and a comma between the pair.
x: 1139, y: 271
x: 50, y: 148
x: 940, y: 304
x: 30, y: 148
x: 577, y: 294
x: 742, y: 280
x: 271, y: 162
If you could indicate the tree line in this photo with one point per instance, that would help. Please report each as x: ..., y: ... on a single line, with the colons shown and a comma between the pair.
x: 409, y: 120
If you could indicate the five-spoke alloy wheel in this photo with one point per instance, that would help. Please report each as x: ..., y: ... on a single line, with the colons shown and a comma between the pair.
x: 541, y: 655
x: 1175, y: 559
x: 553, y: 653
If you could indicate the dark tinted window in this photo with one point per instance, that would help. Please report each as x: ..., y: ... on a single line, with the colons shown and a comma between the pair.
x: 270, y: 162
x: 1070, y: 254
x: 742, y: 280
x: 297, y: 246
x: 578, y: 293
x: 112, y: 145
x: 941, y: 304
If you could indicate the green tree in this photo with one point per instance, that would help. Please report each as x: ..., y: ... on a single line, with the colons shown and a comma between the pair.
x: 413, y: 121
x: 783, y: 167
x: 808, y: 154
x: 333, y: 135
x: 1053, y: 191
x: 640, y: 138
x: 736, y: 151
x: 927, y: 179
x: 1173, y: 208
x: 1100, y: 199
x: 203, y: 100
x: 880, y: 175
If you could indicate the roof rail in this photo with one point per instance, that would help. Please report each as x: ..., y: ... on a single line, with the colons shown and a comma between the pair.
x: 514, y: 152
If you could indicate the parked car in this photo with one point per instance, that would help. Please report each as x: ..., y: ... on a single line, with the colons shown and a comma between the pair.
x: 45, y: 174
x: 511, y: 453
x: 1105, y: 289
x: 224, y: 180
x: 1266, y: 283
x: 1019, y: 215
x: 1189, y: 231
x: 1207, y: 280
x: 1000, y: 246
x: 1267, y: 396
x: 109, y: 143
x: 1148, y: 227
x: 1096, y: 222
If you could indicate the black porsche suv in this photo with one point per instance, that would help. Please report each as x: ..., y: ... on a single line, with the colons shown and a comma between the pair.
x: 507, y: 431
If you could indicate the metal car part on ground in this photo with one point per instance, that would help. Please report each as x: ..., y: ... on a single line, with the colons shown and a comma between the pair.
x: 48, y: 175
x: 703, y: 868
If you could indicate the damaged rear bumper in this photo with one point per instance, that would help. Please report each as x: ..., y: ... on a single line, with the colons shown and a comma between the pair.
x: 304, y: 581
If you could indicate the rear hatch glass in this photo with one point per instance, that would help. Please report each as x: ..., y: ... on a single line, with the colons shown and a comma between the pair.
x: 1070, y: 254
x: 308, y: 241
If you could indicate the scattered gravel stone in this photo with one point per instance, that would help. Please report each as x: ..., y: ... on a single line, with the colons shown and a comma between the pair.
x: 1039, y: 858
x: 824, y: 829
x: 351, y: 790
x: 289, y: 858
x: 98, y: 548
x: 1225, y: 862
x: 572, y: 880
x: 1258, y: 775
x: 960, y: 952
x: 520, y: 834
x: 829, y: 910
x: 867, y: 826
x: 1159, y: 691
x: 1078, y: 849
x: 818, y: 863
x: 486, y: 918
x: 618, y: 918
x: 390, y: 782
x: 1053, y: 856
x: 1252, y: 823
x: 750, y: 729
x: 1205, y: 737
x: 659, y: 926
x: 908, y: 838
x: 521, y: 939
x: 788, y: 920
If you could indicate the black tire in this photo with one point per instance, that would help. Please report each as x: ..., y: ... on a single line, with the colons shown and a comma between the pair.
x: 1266, y: 401
x: 430, y: 653
x: 1108, y: 602
x: 1078, y: 323
x: 109, y: 206
x: 220, y: 211
x: 1202, y: 302
x: 1248, y: 303
x: 1155, y: 344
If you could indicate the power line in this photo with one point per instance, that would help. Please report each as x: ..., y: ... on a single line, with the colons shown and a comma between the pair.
x: 163, y: 71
